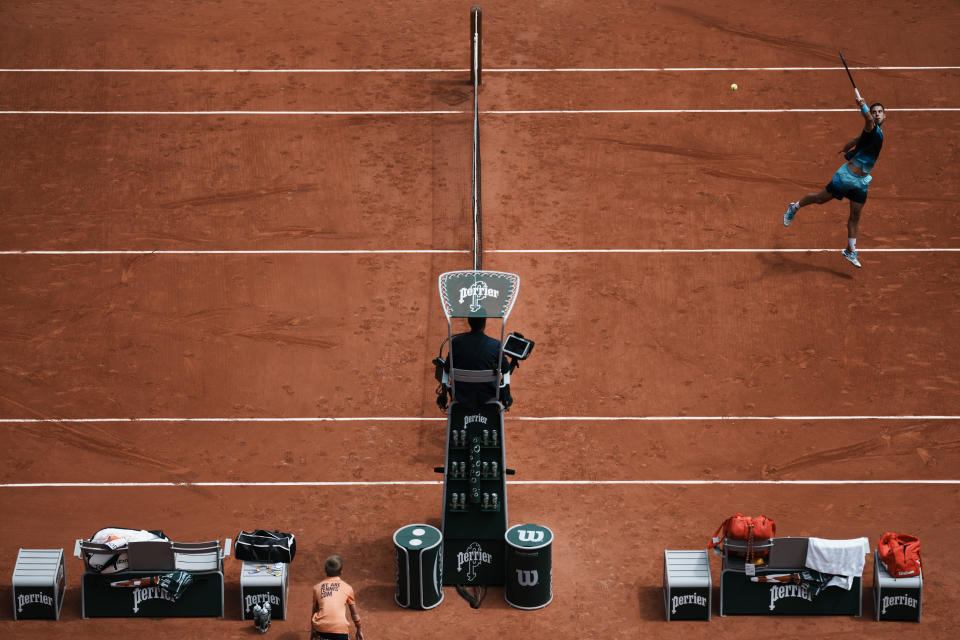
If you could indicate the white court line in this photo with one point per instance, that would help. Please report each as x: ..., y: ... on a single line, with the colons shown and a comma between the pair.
x: 512, y: 418
x: 235, y: 113
x: 144, y: 252
x: 84, y: 485
x: 504, y: 112
x: 425, y: 70
x: 700, y: 69
x: 130, y: 420
x: 877, y: 250
x: 490, y: 70
x: 514, y: 112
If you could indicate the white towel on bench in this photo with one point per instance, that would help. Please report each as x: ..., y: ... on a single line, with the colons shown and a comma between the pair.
x: 843, y: 559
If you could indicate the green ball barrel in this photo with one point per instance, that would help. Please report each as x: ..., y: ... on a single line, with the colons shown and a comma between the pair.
x: 529, y: 579
x: 418, y: 551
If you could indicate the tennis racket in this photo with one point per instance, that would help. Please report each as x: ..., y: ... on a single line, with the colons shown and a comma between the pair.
x: 855, y: 91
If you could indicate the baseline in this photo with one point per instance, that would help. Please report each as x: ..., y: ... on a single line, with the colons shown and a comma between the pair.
x: 492, y: 112
x: 379, y: 483
x: 485, y: 70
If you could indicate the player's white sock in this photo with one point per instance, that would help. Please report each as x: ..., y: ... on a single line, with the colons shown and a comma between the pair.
x: 852, y: 243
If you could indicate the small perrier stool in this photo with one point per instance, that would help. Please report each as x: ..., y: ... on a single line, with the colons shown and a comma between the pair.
x: 896, y: 598
x: 38, y: 584
x: 529, y: 580
x: 687, y: 584
x: 262, y: 582
x: 418, y: 551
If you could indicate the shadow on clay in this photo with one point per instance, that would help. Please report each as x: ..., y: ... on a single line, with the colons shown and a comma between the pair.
x: 780, y: 263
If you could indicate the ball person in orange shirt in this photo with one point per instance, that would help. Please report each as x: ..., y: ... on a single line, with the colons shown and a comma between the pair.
x: 331, y: 599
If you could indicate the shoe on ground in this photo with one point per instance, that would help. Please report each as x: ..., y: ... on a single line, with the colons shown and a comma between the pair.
x: 851, y: 257
x: 791, y: 211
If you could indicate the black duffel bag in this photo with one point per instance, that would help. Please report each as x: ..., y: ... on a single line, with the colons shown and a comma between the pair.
x: 265, y: 546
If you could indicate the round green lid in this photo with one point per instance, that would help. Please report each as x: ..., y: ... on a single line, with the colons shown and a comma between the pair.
x: 529, y: 536
x: 417, y: 536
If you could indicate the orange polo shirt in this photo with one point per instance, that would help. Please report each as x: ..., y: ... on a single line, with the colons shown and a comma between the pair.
x: 330, y: 600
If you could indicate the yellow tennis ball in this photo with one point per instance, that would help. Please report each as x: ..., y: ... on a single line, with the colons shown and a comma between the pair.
x: 734, y: 86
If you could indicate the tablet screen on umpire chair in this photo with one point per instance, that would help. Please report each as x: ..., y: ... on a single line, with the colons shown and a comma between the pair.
x: 517, y: 347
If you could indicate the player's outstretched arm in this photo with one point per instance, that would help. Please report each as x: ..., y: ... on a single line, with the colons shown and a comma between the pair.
x: 868, y: 120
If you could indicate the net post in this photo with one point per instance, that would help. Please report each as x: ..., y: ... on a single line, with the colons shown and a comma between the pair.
x: 476, y: 27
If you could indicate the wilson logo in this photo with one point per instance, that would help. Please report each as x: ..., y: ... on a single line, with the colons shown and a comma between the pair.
x: 528, y: 578
x: 530, y: 536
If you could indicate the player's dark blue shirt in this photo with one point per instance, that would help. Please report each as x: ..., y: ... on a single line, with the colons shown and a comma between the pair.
x: 868, y: 147
x: 476, y: 351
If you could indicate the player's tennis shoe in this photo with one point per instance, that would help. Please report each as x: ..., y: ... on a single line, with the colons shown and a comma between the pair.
x: 791, y: 211
x: 851, y: 257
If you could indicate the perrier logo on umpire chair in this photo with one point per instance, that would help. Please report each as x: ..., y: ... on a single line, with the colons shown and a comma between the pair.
x: 474, y: 517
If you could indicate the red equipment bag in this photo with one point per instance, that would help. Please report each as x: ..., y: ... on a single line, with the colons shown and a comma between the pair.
x: 900, y: 554
x: 741, y: 527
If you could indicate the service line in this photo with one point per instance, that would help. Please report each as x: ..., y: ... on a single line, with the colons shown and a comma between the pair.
x: 144, y: 252
x: 512, y: 418
x: 876, y: 250
x: 97, y: 485
x: 485, y: 70
x: 493, y: 112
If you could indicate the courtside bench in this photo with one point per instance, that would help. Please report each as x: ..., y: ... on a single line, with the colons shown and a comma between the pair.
x: 131, y: 594
x: 687, y: 584
x: 38, y: 584
x: 896, y: 598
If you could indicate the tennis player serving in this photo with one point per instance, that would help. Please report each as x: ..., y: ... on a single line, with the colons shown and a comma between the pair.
x: 853, y: 177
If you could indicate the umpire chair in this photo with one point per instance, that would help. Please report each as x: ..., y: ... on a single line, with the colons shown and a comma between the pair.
x: 474, y: 509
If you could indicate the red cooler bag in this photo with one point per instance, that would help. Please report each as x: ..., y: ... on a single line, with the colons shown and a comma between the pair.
x: 741, y: 527
x: 900, y: 554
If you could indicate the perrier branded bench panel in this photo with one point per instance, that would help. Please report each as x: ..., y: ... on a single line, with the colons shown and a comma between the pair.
x: 743, y: 594
x: 101, y: 599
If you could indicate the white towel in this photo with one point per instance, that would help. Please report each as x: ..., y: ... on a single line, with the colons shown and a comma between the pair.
x: 841, y: 558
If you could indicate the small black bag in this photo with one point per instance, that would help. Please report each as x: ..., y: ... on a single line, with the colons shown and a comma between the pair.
x: 265, y: 546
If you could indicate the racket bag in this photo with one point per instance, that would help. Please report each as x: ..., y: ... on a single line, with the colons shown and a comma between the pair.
x: 116, y: 538
x: 265, y: 546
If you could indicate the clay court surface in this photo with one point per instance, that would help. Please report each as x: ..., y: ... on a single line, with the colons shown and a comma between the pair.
x: 208, y: 300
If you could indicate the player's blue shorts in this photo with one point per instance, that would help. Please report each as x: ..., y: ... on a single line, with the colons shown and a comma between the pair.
x: 847, y: 184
